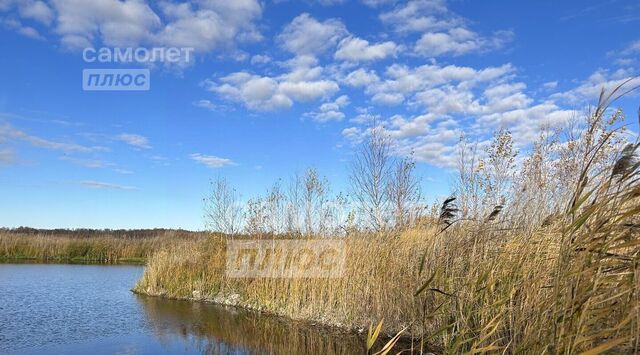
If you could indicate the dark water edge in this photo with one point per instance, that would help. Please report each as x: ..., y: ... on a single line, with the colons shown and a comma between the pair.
x: 73, y: 261
x: 89, y: 309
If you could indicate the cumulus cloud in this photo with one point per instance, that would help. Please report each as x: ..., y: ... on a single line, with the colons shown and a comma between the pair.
x: 256, y: 92
x: 589, y: 89
x: 361, y: 77
x: 260, y: 59
x: 459, y: 41
x: 202, y: 25
x: 302, y: 83
x: 20, y: 28
x: 376, y: 3
x: 456, y: 100
x: 354, y: 134
x: 421, y: 16
x: 116, y: 23
x: 365, y: 116
x: 211, y: 161
x: 307, y: 36
x: 211, y: 25
x: 356, y: 49
x: 427, y: 85
x: 36, y: 10
x: 330, y: 111
x: 442, y: 32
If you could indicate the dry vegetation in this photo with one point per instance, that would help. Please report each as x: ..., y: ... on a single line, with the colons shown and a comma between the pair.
x: 537, y: 253
x: 94, y: 246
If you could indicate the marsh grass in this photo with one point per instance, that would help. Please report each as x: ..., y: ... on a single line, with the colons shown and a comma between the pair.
x: 565, y: 288
x: 554, y: 269
x: 87, y: 246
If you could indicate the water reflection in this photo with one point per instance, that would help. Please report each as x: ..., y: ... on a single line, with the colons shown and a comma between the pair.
x: 89, y: 309
x: 219, y: 330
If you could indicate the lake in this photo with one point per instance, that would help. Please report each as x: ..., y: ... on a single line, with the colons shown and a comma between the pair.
x: 81, y: 309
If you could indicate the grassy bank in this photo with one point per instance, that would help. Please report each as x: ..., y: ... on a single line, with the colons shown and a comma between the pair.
x: 88, y: 246
x: 486, y: 289
x: 546, y: 263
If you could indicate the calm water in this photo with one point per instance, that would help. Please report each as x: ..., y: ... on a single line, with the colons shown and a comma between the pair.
x: 82, y: 309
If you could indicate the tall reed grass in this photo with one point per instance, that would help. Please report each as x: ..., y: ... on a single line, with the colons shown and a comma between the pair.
x: 554, y: 269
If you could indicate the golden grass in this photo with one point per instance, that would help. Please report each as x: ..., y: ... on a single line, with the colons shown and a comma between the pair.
x: 524, y: 282
x: 88, y: 246
x: 488, y: 290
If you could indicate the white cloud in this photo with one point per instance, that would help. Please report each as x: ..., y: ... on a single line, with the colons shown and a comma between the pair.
x: 361, y: 77
x: 330, y: 111
x: 205, y: 25
x: 303, y: 82
x: 365, y: 116
x: 211, y: 161
x: 627, y: 57
x: 421, y: 16
x: 213, y: 24
x: 632, y: 48
x: 7, y: 157
x: 105, y: 185
x: 307, y: 36
x: 123, y: 171
x: 8, y: 132
x: 589, y: 89
x: 22, y: 29
x: 134, y: 140
x: 625, y: 62
x: 458, y: 41
x: 256, y: 92
x: 376, y: 3
x: 388, y: 98
x: 354, y: 134
x: 453, y: 100
x: 356, y: 49
x: 36, y: 10
x: 426, y: 85
x: 260, y: 59
x: 88, y: 163
x: 308, y: 90
x: 30, y: 32
x: 526, y: 123
x: 442, y: 31
x: 116, y: 23
x: 205, y: 104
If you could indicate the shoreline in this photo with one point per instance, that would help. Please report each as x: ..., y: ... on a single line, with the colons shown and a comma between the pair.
x: 71, y: 261
x: 236, y: 303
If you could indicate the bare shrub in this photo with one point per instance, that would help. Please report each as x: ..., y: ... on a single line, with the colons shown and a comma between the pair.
x: 222, y: 208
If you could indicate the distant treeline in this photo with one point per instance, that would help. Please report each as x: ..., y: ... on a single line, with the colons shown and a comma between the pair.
x: 87, y: 233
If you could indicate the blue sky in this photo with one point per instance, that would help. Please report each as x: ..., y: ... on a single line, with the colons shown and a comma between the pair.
x: 276, y: 86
